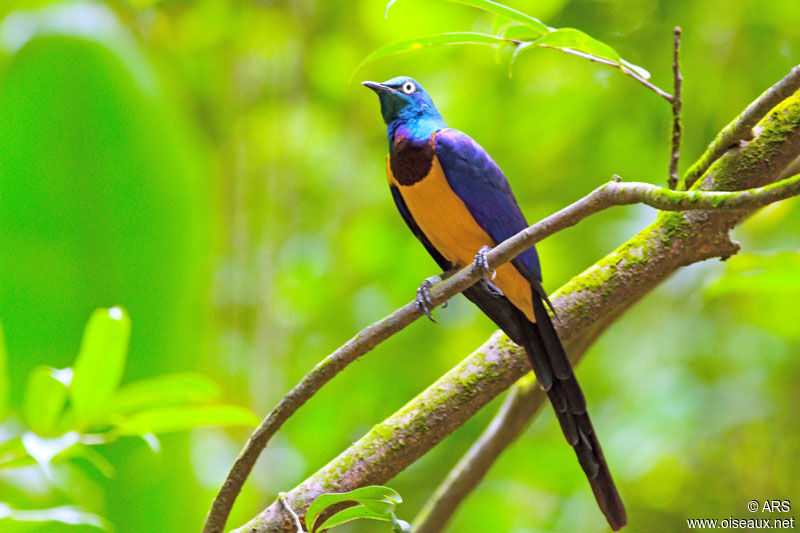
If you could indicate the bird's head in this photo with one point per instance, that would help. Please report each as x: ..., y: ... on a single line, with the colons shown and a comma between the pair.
x: 403, y: 99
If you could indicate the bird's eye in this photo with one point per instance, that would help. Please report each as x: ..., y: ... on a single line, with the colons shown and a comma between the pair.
x: 408, y: 87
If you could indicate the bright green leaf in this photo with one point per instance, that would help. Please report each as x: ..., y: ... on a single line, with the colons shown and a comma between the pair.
x: 164, y: 391
x: 378, y: 496
x: 45, y: 397
x: 465, y: 37
x: 498, y: 23
x: 514, y: 55
x: 4, y: 381
x: 382, y: 506
x: 169, y: 419
x: 518, y: 32
x: 501, y: 11
x: 100, y: 362
x: 353, y: 513
x: 579, y: 41
x: 572, y: 41
x: 505, y: 11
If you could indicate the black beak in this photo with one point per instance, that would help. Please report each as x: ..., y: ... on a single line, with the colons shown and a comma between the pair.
x: 377, y: 87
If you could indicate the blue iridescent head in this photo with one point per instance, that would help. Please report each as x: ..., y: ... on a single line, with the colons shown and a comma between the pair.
x: 404, y: 101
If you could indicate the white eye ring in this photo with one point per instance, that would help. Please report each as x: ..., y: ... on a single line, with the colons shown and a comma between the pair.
x: 408, y: 87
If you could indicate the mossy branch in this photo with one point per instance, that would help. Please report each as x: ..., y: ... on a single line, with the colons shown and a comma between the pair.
x: 585, y: 306
x: 741, y: 129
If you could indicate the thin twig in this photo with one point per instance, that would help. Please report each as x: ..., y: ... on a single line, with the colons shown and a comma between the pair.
x: 741, y: 129
x: 676, y: 110
x: 612, y: 193
x: 665, y: 95
x: 627, y: 71
x: 297, y: 523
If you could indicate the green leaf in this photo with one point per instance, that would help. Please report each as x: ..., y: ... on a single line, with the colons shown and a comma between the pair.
x: 353, y: 513
x: 164, y: 391
x: 498, y: 23
x: 4, y: 380
x: 518, y: 32
x: 100, y: 362
x: 571, y: 41
x: 169, y: 419
x: 505, y: 11
x: 439, y: 39
x: 579, y: 41
x: 379, y: 498
x: 382, y: 506
x: 501, y: 11
x: 45, y: 397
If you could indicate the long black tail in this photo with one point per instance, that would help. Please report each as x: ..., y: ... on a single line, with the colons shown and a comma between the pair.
x: 554, y: 374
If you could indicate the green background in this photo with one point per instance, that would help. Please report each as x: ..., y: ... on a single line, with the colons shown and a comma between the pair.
x: 212, y: 167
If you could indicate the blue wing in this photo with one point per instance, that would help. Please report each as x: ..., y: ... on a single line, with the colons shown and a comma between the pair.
x: 481, y: 185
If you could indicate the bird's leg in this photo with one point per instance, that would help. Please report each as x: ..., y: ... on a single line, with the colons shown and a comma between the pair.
x: 481, y: 264
x: 423, y: 299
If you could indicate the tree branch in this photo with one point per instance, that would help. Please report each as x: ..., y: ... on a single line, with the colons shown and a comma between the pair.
x: 610, y: 194
x: 585, y: 305
x: 741, y: 127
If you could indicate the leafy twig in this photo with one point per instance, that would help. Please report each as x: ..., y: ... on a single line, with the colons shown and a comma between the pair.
x: 676, y: 110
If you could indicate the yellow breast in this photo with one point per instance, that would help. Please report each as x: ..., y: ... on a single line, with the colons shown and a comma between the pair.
x: 449, y: 226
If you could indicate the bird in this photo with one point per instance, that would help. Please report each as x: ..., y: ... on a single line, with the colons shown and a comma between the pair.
x: 457, y: 202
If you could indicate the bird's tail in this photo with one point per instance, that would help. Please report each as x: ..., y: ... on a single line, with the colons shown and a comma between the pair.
x: 554, y: 374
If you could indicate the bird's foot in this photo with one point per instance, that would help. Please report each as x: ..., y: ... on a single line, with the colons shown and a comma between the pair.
x: 481, y: 264
x: 423, y: 299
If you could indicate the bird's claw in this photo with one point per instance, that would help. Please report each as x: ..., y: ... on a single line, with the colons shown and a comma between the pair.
x: 482, y: 264
x: 423, y: 299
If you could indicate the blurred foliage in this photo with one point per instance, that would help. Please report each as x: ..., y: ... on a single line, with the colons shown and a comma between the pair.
x: 208, y: 166
x: 68, y: 411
